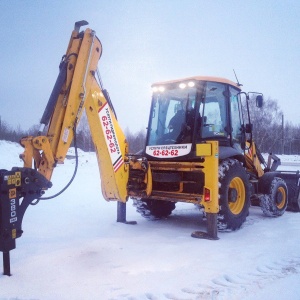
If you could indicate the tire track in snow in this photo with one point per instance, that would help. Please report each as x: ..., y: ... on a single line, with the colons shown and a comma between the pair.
x: 233, y: 286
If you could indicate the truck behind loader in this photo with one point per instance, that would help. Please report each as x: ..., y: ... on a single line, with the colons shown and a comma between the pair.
x: 199, y: 149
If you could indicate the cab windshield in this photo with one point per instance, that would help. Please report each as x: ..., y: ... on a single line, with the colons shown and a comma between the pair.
x: 187, y: 114
x: 172, y: 116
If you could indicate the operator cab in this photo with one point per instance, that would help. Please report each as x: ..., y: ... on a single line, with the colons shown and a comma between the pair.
x: 190, y: 111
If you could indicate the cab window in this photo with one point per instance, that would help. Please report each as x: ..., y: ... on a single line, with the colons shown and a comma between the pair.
x: 236, y: 118
x: 213, y: 111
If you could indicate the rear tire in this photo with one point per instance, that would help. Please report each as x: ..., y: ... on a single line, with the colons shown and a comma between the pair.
x: 234, y: 195
x: 275, y: 199
x: 154, y: 209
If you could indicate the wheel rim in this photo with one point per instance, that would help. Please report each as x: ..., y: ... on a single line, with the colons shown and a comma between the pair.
x: 280, y: 198
x: 238, y: 204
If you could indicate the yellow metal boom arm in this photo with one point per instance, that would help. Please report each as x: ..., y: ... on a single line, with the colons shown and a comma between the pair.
x: 76, y: 89
x: 80, y: 90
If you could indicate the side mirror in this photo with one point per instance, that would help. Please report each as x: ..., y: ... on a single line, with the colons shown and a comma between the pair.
x: 259, y: 101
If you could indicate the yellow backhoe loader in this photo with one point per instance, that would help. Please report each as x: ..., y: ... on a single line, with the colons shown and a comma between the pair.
x: 199, y: 150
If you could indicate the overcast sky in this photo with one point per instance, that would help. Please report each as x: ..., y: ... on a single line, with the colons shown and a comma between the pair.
x: 148, y: 41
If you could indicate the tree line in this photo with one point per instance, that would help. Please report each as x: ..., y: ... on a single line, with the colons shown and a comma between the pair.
x: 270, y: 132
x: 84, y: 141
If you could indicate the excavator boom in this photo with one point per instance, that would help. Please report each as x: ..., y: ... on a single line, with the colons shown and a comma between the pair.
x: 76, y: 89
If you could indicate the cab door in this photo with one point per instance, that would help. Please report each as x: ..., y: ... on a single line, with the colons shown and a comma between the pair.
x: 236, y: 119
x: 213, y: 110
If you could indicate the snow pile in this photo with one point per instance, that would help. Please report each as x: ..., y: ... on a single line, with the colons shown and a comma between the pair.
x: 73, y: 248
x: 289, y: 158
x: 287, y: 162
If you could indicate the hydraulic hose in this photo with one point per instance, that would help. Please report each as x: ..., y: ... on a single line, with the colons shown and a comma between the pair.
x: 73, y: 176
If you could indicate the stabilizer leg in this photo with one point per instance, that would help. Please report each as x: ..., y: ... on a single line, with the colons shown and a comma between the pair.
x: 212, y: 229
x: 121, y: 214
x: 6, y: 263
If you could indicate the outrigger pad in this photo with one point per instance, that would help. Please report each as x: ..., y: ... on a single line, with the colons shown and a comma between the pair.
x: 212, y: 229
x: 203, y: 235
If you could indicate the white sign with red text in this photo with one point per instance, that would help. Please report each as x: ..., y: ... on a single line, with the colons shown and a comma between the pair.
x: 163, y: 151
x: 110, y: 136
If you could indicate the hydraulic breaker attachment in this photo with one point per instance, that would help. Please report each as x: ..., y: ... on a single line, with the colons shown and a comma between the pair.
x: 19, y: 187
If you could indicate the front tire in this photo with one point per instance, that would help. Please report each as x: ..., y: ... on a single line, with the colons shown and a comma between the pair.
x: 275, y: 196
x: 234, y: 195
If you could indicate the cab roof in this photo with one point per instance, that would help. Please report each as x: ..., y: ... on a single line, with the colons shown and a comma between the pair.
x: 199, y: 78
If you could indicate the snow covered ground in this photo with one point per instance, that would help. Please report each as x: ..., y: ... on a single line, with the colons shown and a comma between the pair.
x: 73, y: 248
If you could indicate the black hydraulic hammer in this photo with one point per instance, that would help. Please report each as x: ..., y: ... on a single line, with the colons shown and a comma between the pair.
x: 18, y: 188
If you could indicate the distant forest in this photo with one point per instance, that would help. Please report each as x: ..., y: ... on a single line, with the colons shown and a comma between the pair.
x: 136, y: 140
x: 270, y: 132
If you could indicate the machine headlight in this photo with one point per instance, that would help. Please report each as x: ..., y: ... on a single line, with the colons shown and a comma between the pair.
x: 158, y: 89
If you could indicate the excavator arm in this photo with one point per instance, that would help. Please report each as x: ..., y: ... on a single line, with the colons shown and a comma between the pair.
x: 76, y: 89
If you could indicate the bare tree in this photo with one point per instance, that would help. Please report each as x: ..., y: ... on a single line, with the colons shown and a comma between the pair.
x: 267, y: 127
x: 136, y: 141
